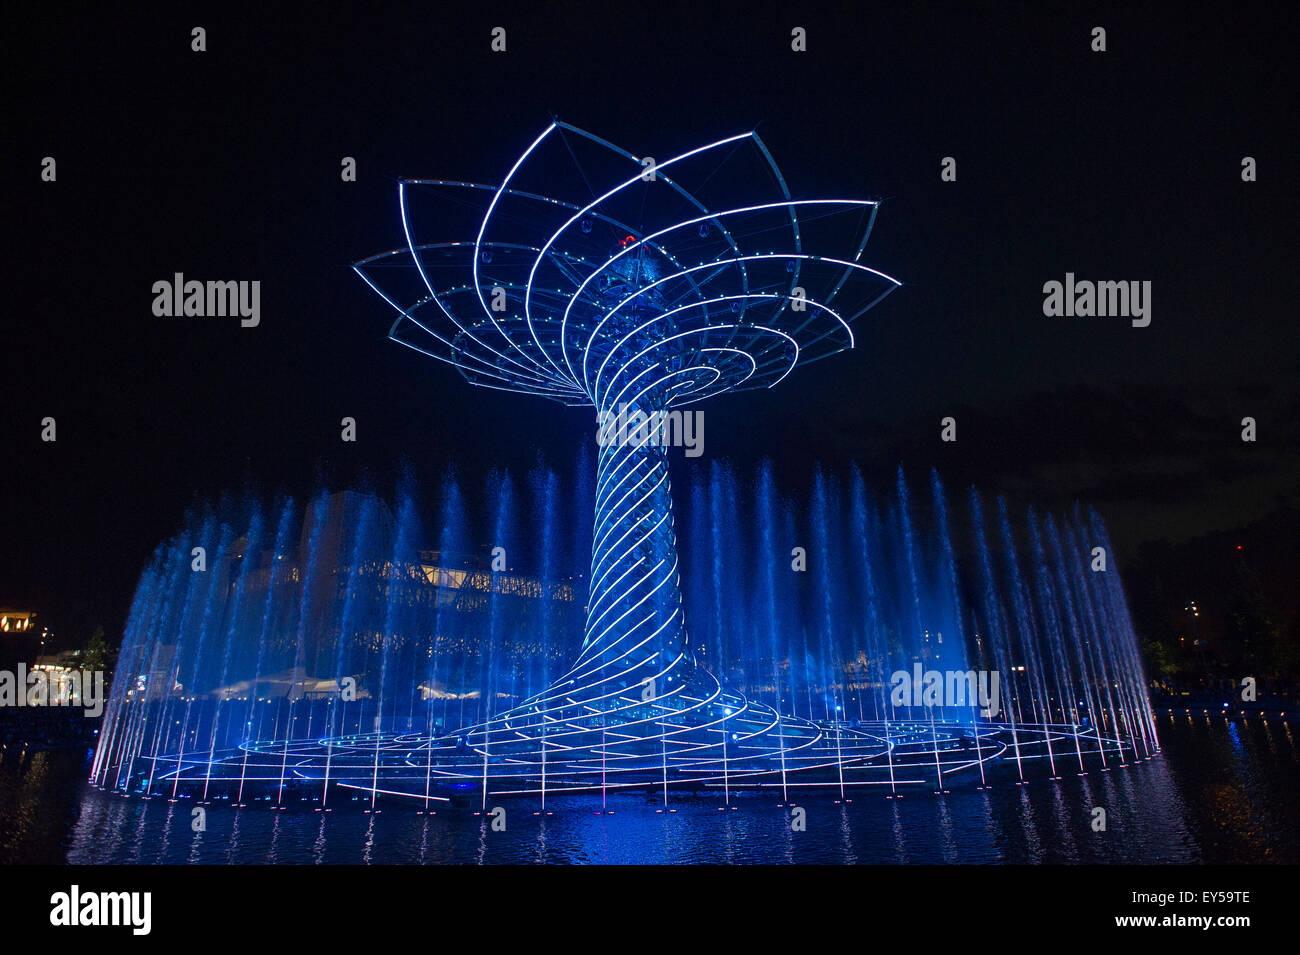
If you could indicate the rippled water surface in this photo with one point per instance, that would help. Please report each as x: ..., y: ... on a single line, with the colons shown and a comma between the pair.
x: 1220, y: 792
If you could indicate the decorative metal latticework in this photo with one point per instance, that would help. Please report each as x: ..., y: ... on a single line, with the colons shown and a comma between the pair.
x: 597, y: 277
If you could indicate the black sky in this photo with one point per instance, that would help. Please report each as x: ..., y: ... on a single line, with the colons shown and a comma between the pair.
x: 225, y: 164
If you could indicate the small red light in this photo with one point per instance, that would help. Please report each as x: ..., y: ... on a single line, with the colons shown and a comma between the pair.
x: 1238, y: 547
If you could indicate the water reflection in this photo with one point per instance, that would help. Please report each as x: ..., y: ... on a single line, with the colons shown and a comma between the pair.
x: 1219, y: 793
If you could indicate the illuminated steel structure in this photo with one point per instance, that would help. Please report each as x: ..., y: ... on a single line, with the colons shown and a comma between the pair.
x: 597, y: 277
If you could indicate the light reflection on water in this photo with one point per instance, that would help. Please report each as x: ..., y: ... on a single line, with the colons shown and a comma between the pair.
x: 1039, y: 823
x: 1219, y: 793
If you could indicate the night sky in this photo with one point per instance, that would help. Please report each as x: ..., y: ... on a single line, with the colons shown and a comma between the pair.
x: 1123, y: 165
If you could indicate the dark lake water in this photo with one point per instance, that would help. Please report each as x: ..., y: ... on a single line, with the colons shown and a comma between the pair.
x: 1220, y: 792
